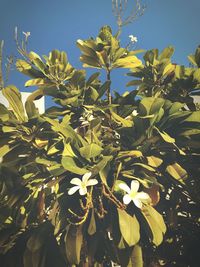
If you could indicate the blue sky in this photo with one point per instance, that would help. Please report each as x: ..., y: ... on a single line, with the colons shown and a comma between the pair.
x: 58, y: 24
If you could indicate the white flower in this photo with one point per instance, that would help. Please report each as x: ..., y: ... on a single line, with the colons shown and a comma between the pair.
x: 86, y: 119
x: 82, y: 185
x: 27, y: 34
x: 133, y: 195
x: 134, y: 113
x: 133, y: 39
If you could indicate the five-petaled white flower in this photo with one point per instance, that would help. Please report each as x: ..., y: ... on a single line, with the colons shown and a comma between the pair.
x: 133, y: 38
x: 82, y: 185
x: 133, y: 195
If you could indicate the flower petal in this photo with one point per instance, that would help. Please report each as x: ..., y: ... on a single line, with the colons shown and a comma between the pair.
x: 137, y: 202
x: 125, y: 187
x: 86, y: 176
x: 142, y: 196
x: 76, y: 181
x: 83, y: 191
x: 126, y: 199
x: 135, y: 186
x: 73, y: 190
x: 91, y: 182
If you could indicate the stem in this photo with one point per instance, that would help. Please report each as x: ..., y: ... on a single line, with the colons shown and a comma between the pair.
x: 109, y: 98
x: 1, y: 60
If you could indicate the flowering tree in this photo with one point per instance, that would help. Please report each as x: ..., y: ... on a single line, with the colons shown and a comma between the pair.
x: 95, y: 179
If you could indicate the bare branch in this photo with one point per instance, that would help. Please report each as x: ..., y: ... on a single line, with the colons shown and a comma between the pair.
x: 1, y: 62
x: 120, y: 7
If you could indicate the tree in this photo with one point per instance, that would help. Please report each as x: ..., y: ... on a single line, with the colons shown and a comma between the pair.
x: 79, y: 183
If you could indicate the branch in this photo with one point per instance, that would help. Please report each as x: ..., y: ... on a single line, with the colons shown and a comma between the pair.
x: 119, y: 7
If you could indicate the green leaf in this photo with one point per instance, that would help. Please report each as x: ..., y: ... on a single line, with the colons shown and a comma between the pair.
x: 192, y: 59
x: 31, y: 109
x: 90, y: 151
x: 56, y: 170
x: 70, y: 165
x: 154, y: 161
x: 27, y: 69
x: 119, y: 53
x: 36, y: 82
x: 134, y: 83
x: 35, y: 95
x: 175, y: 107
x: 92, y: 225
x: 168, y: 69
x: 67, y: 151
x: 120, y: 120
x: 196, y: 75
x: 129, y: 227
x: 177, y: 172
x: 150, y: 105
x: 166, y: 53
x: 145, y: 167
x: 194, y: 117
x: 13, y: 96
x: 190, y: 132
x: 150, y: 55
x: 100, y: 168
x: 131, y: 153
x: 103, y: 89
x: 90, y: 62
x: 86, y: 48
x: 92, y: 78
x: 156, y: 223
x: 92, y: 94
x: 136, y: 257
x: 179, y: 71
x: 40, y: 65
x: 4, y: 150
x: 4, y: 113
x: 128, y: 62
x: 66, y: 131
x: 166, y: 137
x: 73, y: 244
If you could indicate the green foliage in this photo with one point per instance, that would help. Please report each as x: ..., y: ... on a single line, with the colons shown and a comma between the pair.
x: 159, y: 77
x: 93, y: 142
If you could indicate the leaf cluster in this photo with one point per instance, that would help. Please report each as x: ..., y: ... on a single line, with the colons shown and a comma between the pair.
x: 149, y: 134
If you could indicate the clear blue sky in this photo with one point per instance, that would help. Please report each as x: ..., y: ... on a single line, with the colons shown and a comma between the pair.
x: 58, y: 24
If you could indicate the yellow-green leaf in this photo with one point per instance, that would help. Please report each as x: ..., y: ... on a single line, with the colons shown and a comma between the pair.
x: 120, y: 120
x: 13, y: 96
x: 36, y: 82
x: 156, y: 224
x: 166, y: 137
x: 4, y: 150
x: 129, y: 227
x: 128, y: 62
x: 68, y: 151
x: 70, y: 165
x: 136, y: 259
x: 131, y: 153
x: 90, y: 151
x: 177, y: 172
x: 168, y: 69
x: 154, y: 161
x: 145, y: 167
